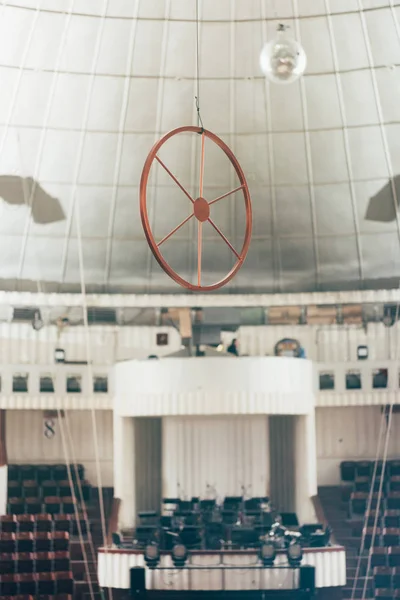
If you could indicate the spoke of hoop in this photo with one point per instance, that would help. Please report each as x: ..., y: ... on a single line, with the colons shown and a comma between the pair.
x: 224, y: 238
x: 199, y: 244
x: 203, y: 138
x: 175, y: 179
x: 241, y: 187
x: 175, y: 230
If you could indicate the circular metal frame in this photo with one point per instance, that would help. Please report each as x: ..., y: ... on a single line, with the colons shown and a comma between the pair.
x: 200, y: 209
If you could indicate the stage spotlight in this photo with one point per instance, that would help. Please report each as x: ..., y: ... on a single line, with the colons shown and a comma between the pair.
x: 295, y: 554
x: 179, y: 555
x: 267, y: 554
x: 283, y: 60
x: 59, y: 355
x: 152, y: 555
x: 37, y: 322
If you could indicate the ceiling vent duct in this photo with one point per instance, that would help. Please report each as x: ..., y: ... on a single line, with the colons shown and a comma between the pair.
x: 25, y: 315
x: 102, y: 316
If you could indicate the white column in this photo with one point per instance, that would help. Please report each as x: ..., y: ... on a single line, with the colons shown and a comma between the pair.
x: 306, y: 467
x: 124, y: 469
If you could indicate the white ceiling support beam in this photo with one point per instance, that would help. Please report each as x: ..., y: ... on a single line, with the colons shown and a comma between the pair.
x: 22, y: 299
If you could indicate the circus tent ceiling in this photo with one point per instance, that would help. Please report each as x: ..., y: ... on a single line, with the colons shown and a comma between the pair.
x: 84, y: 96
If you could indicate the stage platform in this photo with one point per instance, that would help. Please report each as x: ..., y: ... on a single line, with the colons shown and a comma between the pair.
x: 227, y: 570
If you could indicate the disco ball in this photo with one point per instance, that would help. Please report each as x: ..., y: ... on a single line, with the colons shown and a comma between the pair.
x: 283, y: 60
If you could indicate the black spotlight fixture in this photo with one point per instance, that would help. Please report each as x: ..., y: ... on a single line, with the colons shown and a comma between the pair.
x: 179, y: 555
x: 59, y: 355
x: 267, y: 554
x: 37, y: 321
x: 295, y: 554
x: 152, y: 555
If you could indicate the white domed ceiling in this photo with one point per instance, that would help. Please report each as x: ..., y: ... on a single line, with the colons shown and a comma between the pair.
x: 85, y: 92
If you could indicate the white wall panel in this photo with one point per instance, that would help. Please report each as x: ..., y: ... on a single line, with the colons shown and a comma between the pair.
x: 20, y: 343
x: 321, y: 342
x: 223, y: 455
x: 3, y: 489
x: 27, y: 443
x: 347, y: 434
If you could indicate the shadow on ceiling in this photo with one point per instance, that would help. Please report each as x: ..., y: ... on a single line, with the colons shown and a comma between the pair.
x: 382, y: 207
x: 17, y: 191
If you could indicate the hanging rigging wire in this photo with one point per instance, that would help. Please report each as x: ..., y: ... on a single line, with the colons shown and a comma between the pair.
x: 197, y: 97
x: 76, y: 509
x: 75, y: 212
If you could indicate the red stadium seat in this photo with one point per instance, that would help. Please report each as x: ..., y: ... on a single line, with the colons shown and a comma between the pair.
x: 7, y: 543
x: 43, y: 542
x: 347, y: 470
x: 25, y: 542
x: 371, y: 536
x: 391, y: 518
x: 46, y: 583
x: 60, y: 472
x: 68, y: 505
x: 30, y: 488
x: 394, y: 556
x: 33, y: 506
x: 24, y: 562
x: 384, y: 594
x: 26, y: 523
x: 27, y: 583
x: 43, y: 561
x: 65, y: 489
x: 49, y: 488
x: 60, y: 541
x: 16, y: 506
x: 379, y: 557
x: 43, y: 473
x: 8, y: 584
x: 14, y: 489
x: 382, y: 577
x: 7, y: 563
x: 65, y: 582
x: 393, y: 501
x: 394, y: 484
x: 391, y: 537
x: 52, y: 505
x: 27, y: 472
x: 8, y: 524
x: 43, y: 523
x: 364, y: 468
x: 13, y: 473
x: 61, y: 561
x: 62, y: 523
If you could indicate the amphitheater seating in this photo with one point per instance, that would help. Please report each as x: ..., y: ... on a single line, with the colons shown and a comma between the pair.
x: 385, y: 553
x: 34, y: 536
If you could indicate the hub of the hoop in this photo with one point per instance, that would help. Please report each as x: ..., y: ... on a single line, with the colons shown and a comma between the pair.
x: 201, y: 209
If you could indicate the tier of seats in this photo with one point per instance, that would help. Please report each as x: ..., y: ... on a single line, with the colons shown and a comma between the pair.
x: 36, y: 584
x: 385, y: 553
x: 34, y: 562
x: 12, y: 523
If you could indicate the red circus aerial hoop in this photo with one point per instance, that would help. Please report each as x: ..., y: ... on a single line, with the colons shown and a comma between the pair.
x: 201, y: 210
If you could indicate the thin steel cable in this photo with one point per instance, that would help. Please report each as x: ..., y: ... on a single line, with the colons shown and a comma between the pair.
x: 369, y: 505
x: 82, y: 139
x: 80, y: 491
x: 43, y: 135
x: 343, y: 115
x: 197, y: 97
x: 21, y: 68
x: 309, y: 161
x: 120, y: 140
x: 90, y: 377
x: 76, y: 511
x: 276, y: 259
